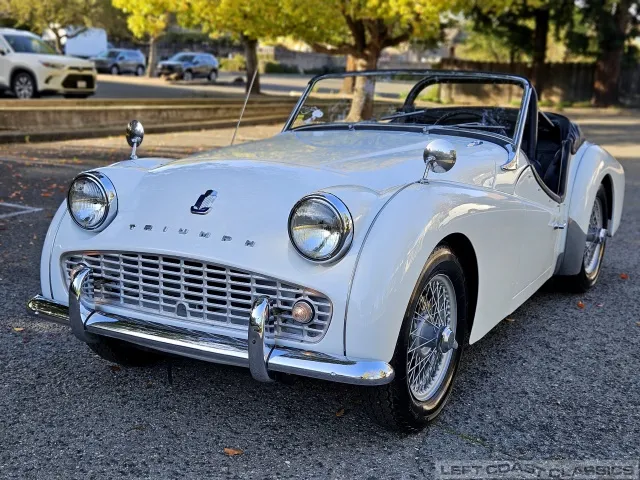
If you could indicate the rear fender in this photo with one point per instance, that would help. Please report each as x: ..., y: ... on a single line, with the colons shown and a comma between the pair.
x: 595, y: 167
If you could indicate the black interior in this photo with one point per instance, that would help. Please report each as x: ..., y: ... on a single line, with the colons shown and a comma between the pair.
x: 549, y: 141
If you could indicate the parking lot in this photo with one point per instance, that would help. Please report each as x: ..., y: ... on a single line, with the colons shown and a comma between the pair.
x: 558, y: 380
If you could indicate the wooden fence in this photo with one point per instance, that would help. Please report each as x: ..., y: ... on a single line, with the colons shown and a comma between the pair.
x: 564, y: 82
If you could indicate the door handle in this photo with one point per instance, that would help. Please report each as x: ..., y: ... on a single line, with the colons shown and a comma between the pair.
x: 559, y: 225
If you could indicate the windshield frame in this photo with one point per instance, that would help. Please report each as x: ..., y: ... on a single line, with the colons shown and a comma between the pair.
x: 430, y: 77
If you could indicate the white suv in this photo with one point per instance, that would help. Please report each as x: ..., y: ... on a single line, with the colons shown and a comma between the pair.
x: 29, y: 68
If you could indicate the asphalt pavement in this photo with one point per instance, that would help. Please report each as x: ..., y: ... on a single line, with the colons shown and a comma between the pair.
x: 556, y: 381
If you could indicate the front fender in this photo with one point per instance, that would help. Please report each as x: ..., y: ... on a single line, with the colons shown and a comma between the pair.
x: 595, y: 165
x: 398, y: 245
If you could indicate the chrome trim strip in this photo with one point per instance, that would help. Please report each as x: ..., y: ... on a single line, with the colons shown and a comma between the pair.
x: 220, y: 349
x: 258, y: 354
x: 298, y: 104
x: 355, y: 265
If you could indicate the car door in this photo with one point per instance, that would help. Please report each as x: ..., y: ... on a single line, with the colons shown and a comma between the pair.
x: 197, y: 66
x: 538, y: 226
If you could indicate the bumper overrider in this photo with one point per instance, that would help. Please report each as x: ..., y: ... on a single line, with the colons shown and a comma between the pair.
x: 262, y: 359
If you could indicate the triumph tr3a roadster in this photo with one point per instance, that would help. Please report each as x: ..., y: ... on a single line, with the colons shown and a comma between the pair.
x: 371, y: 240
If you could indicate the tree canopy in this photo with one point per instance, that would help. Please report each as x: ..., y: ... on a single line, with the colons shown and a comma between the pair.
x: 363, y: 28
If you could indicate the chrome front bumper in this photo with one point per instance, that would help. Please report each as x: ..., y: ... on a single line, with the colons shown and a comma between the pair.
x: 261, y: 359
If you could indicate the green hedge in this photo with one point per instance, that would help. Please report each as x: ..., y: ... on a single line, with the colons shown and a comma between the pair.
x: 237, y: 63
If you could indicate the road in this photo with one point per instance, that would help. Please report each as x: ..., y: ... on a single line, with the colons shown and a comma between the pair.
x: 557, y: 381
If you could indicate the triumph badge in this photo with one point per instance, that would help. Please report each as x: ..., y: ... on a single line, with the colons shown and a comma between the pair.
x: 203, y: 205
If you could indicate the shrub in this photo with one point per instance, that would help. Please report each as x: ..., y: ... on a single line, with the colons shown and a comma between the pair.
x: 237, y: 63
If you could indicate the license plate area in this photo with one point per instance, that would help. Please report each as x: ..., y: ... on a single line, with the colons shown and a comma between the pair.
x: 81, y: 84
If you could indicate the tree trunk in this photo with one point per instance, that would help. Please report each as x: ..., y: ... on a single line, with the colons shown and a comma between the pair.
x: 364, y: 89
x: 606, y: 90
x: 153, y: 54
x: 349, y: 82
x: 58, y: 39
x: 251, y: 56
x: 540, y: 49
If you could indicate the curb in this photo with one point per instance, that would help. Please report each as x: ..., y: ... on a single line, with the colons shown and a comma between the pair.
x: 71, y: 134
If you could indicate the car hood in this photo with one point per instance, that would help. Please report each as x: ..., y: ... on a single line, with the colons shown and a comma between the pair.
x: 377, y: 160
x: 170, y: 63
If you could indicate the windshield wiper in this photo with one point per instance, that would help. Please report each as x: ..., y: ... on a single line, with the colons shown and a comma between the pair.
x: 402, y: 114
x: 475, y: 125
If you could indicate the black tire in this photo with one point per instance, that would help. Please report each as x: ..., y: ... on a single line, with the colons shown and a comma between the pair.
x: 140, y: 70
x: 394, y: 406
x: 213, y: 76
x: 584, y: 280
x: 114, y: 70
x: 123, y: 353
x: 187, y: 76
x: 24, y: 86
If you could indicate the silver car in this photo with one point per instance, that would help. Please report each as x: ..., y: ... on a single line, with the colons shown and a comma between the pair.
x: 190, y: 65
x: 116, y: 61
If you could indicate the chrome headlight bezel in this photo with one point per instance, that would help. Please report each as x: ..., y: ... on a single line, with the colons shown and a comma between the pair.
x: 342, y: 213
x: 109, y: 195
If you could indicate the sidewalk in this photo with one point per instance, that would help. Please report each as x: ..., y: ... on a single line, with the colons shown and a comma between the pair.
x: 102, y: 151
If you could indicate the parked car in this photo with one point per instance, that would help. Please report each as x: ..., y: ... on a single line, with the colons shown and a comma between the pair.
x: 29, y: 68
x: 367, y: 243
x: 117, y: 61
x: 189, y: 65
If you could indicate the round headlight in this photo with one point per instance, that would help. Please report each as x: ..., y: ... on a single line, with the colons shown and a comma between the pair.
x: 92, y: 201
x: 321, y: 227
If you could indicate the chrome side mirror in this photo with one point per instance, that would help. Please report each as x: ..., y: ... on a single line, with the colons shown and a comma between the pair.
x: 135, y: 134
x: 439, y: 156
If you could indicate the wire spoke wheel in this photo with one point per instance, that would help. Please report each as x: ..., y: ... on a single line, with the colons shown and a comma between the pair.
x: 432, y: 338
x: 591, y: 258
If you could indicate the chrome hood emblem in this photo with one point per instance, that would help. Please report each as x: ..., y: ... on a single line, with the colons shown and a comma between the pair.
x: 203, y: 205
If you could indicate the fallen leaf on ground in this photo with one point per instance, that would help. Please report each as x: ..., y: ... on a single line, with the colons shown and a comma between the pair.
x: 638, y: 324
x: 581, y: 305
x: 599, y: 304
x: 115, y: 368
x: 46, y: 194
x: 510, y: 320
x: 232, y: 452
x: 340, y: 412
x: 18, y: 329
x: 624, y: 276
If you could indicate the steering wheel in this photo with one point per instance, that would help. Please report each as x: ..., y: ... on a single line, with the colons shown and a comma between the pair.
x: 449, y: 115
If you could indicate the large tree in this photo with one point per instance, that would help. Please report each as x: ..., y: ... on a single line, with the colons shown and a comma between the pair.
x: 610, y: 24
x: 60, y: 15
x: 362, y: 29
x: 246, y: 20
x: 523, y: 25
x: 147, y: 20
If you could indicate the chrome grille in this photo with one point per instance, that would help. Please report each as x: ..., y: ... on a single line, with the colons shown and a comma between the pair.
x: 199, y: 292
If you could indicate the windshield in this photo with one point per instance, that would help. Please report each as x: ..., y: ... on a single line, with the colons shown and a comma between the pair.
x: 463, y: 100
x: 28, y: 44
x: 182, y: 57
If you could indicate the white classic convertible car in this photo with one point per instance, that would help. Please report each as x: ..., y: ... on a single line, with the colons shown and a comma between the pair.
x: 368, y: 243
